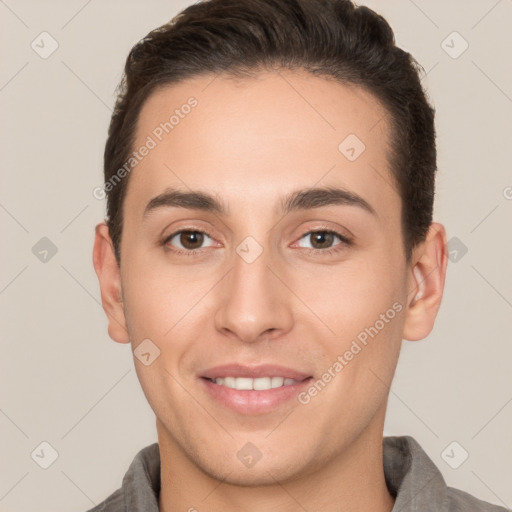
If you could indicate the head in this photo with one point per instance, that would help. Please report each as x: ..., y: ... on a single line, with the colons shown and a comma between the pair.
x: 280, y: 214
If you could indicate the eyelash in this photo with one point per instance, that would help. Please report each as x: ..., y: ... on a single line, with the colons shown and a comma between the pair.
x: 344, y: 242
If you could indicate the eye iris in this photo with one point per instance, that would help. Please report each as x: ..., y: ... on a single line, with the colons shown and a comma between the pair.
x: 324, y: 238
x: 191, y: 239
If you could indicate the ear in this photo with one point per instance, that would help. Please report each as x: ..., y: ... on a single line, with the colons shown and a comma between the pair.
x: 108, y: 272
x: 426, y: 283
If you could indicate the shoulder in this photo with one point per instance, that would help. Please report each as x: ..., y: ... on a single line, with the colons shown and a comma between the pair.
x: 140, y: 487
x: 417, y: 484
x: 460, y: 501
x: 114, y: 503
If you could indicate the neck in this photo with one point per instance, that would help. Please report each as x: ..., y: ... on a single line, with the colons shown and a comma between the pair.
x: 352, y: 481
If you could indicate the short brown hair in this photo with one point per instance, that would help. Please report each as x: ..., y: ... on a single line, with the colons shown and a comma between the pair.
x: 328, y: 38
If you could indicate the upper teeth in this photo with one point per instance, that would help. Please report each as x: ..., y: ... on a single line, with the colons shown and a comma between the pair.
x: 259, y: 384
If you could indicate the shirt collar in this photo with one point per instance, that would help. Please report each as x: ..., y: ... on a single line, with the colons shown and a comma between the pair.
x: 141, y: 483
x: 411, y: 477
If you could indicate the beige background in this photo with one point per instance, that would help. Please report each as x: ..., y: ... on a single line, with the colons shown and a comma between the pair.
x: 65, y: 382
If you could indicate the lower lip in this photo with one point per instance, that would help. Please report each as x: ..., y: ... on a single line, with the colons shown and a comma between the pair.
x: 252, y: 401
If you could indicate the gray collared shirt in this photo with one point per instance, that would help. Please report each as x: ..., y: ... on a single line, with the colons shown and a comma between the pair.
x: 411, y: 476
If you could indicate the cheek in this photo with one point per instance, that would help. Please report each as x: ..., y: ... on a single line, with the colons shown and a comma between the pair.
x: 369, y: 324
x: 352, y: 296
x: 157, y: 298
x: 362, y: 304
x: 168, y: 307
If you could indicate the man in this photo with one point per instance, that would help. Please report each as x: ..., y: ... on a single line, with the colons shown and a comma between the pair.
x: 269, y: 173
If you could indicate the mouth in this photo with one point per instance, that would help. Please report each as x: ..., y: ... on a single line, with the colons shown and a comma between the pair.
x: 253, y: 390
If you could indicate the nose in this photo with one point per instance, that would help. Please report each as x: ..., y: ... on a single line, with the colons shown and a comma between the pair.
x: 254, y: 303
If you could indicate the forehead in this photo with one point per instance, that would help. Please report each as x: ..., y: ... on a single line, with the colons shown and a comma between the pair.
x: 247, y: 138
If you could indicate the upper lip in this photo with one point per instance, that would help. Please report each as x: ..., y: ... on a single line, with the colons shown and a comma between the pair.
x: 253, y: 371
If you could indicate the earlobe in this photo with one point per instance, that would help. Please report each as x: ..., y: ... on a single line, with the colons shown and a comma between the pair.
x: 108, y: 272
x: 426, y: 284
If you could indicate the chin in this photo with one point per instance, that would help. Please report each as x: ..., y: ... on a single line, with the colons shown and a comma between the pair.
x: 283, y: 467
x: 254, y: 477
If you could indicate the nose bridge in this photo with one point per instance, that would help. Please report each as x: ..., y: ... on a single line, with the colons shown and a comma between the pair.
x: 253, y: 300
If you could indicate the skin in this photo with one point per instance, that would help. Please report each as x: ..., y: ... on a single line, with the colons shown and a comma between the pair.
x: 251, y: 141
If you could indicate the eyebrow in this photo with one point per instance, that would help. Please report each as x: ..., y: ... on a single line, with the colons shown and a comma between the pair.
x: 303, y: 199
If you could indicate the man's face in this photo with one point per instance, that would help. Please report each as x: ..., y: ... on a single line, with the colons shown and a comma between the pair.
x: 260, y: 288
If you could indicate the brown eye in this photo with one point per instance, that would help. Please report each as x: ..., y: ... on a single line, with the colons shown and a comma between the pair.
x: 322, y: 239
x: 188, y: 240
x: 191, y: 239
